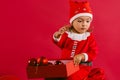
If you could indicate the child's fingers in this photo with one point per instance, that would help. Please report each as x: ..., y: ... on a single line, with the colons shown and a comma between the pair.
x: 57, y: 34
x: 66, y: 27
x: 76, y: 61
x: 62, y: 30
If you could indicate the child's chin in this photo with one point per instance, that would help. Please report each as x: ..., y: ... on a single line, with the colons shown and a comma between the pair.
x: 82, y: 31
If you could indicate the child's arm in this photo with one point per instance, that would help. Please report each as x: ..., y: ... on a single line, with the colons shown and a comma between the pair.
x: 59, y: 37
x: 89, y: 55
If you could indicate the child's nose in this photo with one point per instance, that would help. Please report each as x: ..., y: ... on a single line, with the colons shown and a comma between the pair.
x: 84, y: 23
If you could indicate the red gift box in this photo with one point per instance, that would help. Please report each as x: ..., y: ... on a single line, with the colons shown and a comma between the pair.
x: 52, y: 71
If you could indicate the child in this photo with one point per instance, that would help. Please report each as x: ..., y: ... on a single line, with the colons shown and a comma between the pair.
x: 76, y: 41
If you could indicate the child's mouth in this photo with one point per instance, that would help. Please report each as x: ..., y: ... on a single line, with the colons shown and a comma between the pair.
x: 83, y: 28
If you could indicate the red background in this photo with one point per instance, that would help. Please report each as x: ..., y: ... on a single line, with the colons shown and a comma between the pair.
x: 26, y: 28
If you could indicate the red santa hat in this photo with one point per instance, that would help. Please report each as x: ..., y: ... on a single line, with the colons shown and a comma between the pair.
x: 78, y: 9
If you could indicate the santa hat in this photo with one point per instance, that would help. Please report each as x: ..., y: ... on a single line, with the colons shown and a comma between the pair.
x: 78, y: 9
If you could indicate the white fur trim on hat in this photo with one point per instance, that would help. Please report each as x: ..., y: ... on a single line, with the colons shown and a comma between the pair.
x: 81, y: 14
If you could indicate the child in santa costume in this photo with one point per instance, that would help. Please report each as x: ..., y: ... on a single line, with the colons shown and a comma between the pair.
x: 76, y: 41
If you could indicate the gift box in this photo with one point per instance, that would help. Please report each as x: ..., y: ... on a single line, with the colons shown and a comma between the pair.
x: 52, y: 71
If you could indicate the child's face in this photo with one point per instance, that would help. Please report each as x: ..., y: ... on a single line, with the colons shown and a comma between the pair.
x: 81, y: 24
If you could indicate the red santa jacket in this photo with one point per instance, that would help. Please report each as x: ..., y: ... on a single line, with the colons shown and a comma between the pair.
x: 73, y: 43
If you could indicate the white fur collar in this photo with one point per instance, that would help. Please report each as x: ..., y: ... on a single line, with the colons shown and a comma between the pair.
x: 78, y: 37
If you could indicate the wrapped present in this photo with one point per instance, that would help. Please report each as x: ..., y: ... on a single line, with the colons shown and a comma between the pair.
x: 54, y: 69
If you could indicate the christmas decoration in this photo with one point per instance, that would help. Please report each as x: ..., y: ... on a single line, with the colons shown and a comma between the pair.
x: 32, y: 62
x: 58, y: 62
x: 42, y: 61
x: 52, y: 70
x: 49, y: 63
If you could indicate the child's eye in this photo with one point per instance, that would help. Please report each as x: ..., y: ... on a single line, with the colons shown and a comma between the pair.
x: 79, y: 21
x: 87, y: 21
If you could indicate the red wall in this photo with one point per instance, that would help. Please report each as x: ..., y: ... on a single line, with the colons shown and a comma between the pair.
x: 26, y: 28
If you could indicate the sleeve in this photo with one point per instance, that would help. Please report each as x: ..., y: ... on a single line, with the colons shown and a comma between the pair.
x: 93, y: 49
x: 61, y: 41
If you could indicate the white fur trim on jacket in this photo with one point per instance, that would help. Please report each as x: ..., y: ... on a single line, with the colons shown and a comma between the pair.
x: 78, y: 37
x: 56, y: 39
x: 86, y: 56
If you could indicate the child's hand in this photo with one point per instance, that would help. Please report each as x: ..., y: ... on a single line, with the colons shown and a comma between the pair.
x: 78, y: 58
x: 58, y: 33
x: 64, y: 28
